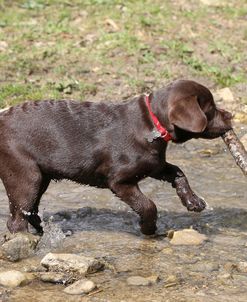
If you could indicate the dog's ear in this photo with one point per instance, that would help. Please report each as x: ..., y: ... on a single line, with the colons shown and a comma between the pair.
x: 186, y: 114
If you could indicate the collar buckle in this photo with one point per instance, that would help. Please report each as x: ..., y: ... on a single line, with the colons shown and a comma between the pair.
x: 162, y: 130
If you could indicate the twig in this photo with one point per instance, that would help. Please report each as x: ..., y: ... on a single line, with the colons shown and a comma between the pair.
x: 237, y: 150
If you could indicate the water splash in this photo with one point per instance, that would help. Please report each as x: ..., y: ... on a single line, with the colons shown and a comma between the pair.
x: 52, y: 238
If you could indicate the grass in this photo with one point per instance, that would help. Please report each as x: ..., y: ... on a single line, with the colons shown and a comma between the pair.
x: 96, y: 48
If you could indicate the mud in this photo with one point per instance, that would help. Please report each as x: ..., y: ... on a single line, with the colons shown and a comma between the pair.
x: 98, y: 224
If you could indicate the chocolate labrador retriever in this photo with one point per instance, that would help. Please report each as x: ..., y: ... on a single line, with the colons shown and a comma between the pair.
x: 104, y: 145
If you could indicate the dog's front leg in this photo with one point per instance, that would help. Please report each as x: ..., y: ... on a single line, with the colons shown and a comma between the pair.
x: 176, y: 177
x: 144, y: 207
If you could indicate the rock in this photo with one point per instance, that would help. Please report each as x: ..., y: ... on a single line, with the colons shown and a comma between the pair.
x: 71, y: 263
x: 242, y: 267
x: 142, y: 281
x: 18, y: 246
x: 171, y: 281
x: 52, y: 238
x: 138, y: 281
x: 82, y: 286
x: 187, y: 237
x: 224, y: 94
x: 54, y: 277
x: 13, y: 278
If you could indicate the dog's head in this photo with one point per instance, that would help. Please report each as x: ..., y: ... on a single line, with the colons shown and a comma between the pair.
x: 192, y: 113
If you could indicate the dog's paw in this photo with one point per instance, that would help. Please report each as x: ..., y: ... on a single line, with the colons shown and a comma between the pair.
x: 195, y: 204
x: 148, y: 228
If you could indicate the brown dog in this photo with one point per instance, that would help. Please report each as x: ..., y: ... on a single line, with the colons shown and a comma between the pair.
x: 104, y: 145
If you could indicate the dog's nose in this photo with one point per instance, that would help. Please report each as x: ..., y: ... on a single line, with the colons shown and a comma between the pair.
x: 225, y: 114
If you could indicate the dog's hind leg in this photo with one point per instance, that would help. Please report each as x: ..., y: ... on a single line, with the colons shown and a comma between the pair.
x: 23, y: 182
x: 34, y: 218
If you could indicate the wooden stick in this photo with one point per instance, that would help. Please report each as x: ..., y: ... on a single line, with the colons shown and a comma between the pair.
x: 237, y: 150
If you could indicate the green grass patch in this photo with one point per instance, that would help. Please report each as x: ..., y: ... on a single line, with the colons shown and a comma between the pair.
x: 61, y: 48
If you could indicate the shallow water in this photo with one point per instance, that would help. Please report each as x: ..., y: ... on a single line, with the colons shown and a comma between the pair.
x: 102, y: 226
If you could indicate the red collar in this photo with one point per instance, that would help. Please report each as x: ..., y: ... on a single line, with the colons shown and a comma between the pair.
x: 163, y: 131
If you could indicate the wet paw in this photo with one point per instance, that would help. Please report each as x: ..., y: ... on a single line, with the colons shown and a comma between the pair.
x: 195, y: 204
x: 148, y: 229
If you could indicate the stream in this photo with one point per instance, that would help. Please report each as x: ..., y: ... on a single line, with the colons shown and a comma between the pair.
x: 98, y: 224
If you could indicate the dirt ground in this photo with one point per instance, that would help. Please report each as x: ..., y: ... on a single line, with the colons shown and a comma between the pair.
x: 111, y: 50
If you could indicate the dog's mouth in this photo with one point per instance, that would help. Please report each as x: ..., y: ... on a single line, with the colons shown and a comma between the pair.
x: 214, y: 133
x: 182, y: 136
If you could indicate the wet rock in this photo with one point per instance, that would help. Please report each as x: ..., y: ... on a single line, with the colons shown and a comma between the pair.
x: 54, y: 277
x: 34, y: 268
x: 71, y: 263
x: 18, y: 246
x: 187, y: 237
x: 13, y: 278
x: 138, y: 281
x: 83, y: 286
x: 142, y: 281
x: 53, y: 237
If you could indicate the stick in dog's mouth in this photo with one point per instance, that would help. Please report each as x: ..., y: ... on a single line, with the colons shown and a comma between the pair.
x: 237, y: 149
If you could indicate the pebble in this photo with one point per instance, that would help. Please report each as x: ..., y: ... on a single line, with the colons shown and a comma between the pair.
x: 142, y: 281
x: 54, y: 277
x: 171, y: 281
x: 138, y: 281
x: 242, y: 267
x: 13, y: 278
x: 18, y: 246
x: 71, y: 263
x: 187, y: 237
x: 83, y: 286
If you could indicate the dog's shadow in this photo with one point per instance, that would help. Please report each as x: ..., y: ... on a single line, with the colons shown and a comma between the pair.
x: 92, y: 219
